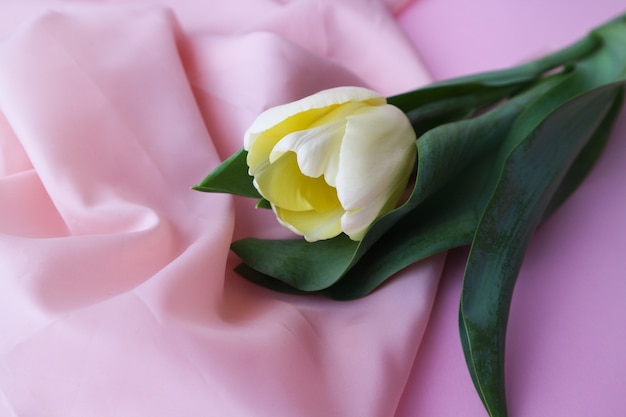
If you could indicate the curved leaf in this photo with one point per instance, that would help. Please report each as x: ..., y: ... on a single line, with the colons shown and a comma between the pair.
x: 302, y: 265
x: 545, y: 159
x: 531, y: 176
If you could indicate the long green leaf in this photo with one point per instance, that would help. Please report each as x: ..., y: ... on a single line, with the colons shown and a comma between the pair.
x: 297, y: 263
x: 457, y: 98
x: 575, y: 130
x: 585, y: 160
x: 531, y: 176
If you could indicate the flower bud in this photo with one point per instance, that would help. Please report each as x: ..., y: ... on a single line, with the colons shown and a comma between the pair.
x: 331, y: 162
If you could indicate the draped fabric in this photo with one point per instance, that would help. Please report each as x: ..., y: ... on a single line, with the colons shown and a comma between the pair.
x: 117, y: 290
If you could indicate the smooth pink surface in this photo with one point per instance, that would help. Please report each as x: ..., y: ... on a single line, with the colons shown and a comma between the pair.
x: 117, y: 296
x: 566, y: 336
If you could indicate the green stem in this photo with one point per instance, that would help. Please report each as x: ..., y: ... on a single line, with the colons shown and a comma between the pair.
x: 463, y: 97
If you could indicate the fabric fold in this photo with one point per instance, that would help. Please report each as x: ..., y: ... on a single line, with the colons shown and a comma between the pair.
x: 118, y: 295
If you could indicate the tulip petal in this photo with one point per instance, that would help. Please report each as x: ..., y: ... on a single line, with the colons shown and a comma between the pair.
x: 317, y: 149
x: 260, y: 145
x: 320, y: 100
x: 313, y: 225
x: 377, y: 155
x: 356, y: 222
x: 285, y: 186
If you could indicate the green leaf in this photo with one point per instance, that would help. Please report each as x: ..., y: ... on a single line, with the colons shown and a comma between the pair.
x: 231, y: 177
x: 300, y: 264
x: 532, y: 174
x: 461, y: 97
x: 545, y: 160
x: 263, y: 204
x: 585, y: 160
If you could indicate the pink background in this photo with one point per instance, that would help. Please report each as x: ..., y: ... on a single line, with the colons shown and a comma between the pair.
x: 566, y: 335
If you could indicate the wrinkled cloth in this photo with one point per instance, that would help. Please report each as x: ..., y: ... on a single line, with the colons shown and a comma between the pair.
x: 117, y: 290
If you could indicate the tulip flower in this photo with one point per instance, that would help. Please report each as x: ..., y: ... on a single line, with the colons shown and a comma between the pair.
x: 331, y: 162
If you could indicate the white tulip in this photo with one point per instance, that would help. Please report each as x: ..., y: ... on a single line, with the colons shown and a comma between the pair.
x: 332, y: 162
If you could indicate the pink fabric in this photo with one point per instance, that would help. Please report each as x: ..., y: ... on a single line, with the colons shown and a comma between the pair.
x: 566, y: 335
x: 117, y: 296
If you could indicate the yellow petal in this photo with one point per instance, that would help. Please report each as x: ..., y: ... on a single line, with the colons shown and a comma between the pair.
x: 260, y: 145
x: 311, y: 224
x: 285, y: 186
x: 317, y: 149
x: 320, y: 100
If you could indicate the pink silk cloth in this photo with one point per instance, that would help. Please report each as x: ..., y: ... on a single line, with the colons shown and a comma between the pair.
x: 117, y: 295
